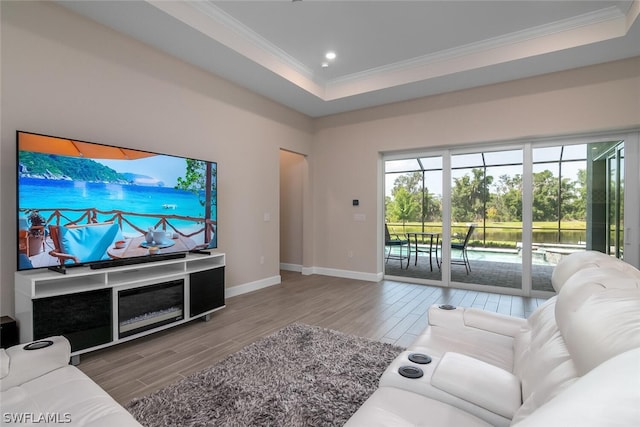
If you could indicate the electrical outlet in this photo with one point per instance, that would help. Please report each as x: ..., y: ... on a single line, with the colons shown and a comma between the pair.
x: 262, y: 259
x: 350, y: 254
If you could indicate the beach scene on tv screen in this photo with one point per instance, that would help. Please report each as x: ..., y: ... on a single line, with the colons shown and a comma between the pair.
x: 82, y: 203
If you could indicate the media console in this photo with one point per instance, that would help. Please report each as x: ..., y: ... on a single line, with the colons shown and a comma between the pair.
x: 99, y: 308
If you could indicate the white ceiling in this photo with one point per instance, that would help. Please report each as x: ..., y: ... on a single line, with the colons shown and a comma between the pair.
x: 387, y: 51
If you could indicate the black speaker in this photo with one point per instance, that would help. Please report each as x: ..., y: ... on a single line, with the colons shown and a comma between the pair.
x: 206, y: 290
x: 83, y: 318
x: 8, y: 332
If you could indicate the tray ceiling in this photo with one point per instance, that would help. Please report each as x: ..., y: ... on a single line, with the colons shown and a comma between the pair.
x: 386, y: 51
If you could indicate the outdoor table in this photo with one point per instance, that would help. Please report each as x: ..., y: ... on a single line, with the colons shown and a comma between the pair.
x: 134, y: 247
x: 413, y: 240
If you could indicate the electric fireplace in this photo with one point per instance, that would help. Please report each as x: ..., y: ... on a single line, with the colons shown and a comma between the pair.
x: 149, y: 307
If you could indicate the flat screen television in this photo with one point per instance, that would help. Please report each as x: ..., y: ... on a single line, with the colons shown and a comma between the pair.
x: 85, y: 203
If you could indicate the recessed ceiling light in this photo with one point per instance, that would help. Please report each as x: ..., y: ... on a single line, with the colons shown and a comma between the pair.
x: 330, y: 55
x: 325, y: 64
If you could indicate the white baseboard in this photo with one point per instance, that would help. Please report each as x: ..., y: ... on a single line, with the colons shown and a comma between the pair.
x: 347, y: 274
x: 234, y: 291
x: 290, y: 267
x: 306, y: 271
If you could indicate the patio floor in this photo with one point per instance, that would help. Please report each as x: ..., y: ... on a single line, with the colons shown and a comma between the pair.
x: 486, y: 269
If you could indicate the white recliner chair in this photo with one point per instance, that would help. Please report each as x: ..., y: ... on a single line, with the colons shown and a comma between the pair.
x: 502, y: 370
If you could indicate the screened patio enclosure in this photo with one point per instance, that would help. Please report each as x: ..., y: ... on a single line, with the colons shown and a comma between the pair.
x: 527, y: 206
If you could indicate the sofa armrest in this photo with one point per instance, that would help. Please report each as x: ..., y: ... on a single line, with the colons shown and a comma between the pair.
x: 20, y: 365
x: 494, y: 322
x: 477, y: 319
x: 390, y: 406
x: 478, y: 382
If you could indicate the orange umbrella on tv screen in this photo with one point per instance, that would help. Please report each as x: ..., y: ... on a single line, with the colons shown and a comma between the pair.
x: 69, y: 147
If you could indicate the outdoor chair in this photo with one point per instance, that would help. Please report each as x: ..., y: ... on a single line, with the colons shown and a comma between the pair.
x: 23, y: 242
x: 393, y: 240
x: 462, y: 247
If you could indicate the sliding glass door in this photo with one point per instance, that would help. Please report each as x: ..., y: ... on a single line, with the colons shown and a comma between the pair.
x: 500, y: 219
x: 608, y: 165
x: 413, y: 213
x: 559, y: 208
x: 486, y: 218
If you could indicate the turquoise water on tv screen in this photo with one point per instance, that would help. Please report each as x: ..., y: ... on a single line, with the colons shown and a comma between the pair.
x: 46, y: 195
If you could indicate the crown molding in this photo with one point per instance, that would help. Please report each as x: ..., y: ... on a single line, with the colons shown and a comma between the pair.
x: 589, y: 19
x: 205, y: 17
x: 584, y: 29
x: 228, y: 21
x: 633, y: 13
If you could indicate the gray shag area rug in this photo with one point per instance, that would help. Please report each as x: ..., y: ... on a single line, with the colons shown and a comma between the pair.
x: 299, y: 376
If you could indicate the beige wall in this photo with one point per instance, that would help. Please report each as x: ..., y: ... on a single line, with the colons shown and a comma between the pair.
x: 67, y: 76
x: 292, y: 177
x: 347, y: 147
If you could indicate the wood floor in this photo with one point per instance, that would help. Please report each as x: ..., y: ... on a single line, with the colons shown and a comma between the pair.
x: 388, y: 311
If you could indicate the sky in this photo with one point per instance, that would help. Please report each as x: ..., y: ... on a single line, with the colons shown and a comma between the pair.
x: 164, y: 168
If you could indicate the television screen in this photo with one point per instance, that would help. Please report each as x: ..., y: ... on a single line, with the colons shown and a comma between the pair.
x: 87, y: 203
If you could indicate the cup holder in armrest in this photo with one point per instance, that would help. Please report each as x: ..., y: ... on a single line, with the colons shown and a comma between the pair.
x: 410, y: 371
x: 419, y: 358
x: 447, y: 307
x: 37, y: 345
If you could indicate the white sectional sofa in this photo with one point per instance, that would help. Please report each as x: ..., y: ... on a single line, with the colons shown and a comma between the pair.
x: 574, y: 362
x: 38, y: 387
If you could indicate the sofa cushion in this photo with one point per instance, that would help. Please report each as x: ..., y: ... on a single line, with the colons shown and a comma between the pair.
x: 541, y: 328
x: 541, y: 360
x: 583, y: 284
x: 578, y: 261
x: 608, y: 395
x: 551, y: 383
x: 89, y: 243
x: 602, y: 309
